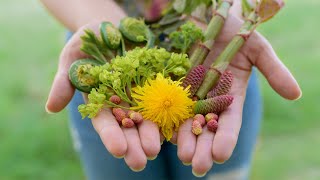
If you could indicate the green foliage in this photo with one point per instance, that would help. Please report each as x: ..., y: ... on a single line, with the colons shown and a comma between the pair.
x: 188, y: 6
x: 178, y: 64
x: 90, y: 109
x: 136, y: 67
x: 186, y: 36
x: 94, y: 46
x: 134, y: 29
x: 96, y: 97
x: 95, y: 103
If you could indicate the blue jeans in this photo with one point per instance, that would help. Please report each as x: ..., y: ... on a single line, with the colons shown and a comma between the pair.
x: 99, y: 164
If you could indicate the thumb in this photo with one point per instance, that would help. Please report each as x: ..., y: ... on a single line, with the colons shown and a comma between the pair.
x: 62, y: 90
x: 262, y: 55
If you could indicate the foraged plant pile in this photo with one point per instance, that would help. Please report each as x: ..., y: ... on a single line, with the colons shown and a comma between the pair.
x: 143, y: 72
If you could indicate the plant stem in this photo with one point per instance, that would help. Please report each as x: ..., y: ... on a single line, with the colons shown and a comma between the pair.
x: 224, y: 59
x: 115, y: 105
x: 212, y: 31
x: 151, y: 39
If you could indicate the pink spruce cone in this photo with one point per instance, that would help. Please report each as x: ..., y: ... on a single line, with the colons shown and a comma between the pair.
x: 212, y: 125
x: 224, y: 85
x: 196, y: 128
x: 127, y: 123
x: 136, y: 117
x: 119, y: 114
x: 194, y: 79
x: 213, y: 105
x: 211, y: 116
x: 200, y: 118
x: 115, y: 99
x: 130, y: 112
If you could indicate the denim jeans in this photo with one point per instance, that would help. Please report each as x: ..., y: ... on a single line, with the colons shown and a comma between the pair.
x: 99, y: 164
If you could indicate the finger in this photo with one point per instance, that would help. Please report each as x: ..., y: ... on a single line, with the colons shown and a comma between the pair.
x: 162, y: 138
x: 135, y: 156
x: 150, y: 138
x: 228, y: 130
x: 230, y: 120
x: 279, y: 77
x: 186, y: 142
x: 110, y: 133
x: 174, y: 138
x: 62, y: 90
x: 202, y: 160
x: 60, y: 94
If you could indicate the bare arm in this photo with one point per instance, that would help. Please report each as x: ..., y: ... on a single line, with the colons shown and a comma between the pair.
x: 73, y: 14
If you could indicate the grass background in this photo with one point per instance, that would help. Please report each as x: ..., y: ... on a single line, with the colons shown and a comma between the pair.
x: 34, y: 145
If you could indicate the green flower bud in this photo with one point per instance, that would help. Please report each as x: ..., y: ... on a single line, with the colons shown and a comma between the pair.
x: 133, y: 29
x: 111, y: 35
x: 179, y: 71
x: 80, y: 77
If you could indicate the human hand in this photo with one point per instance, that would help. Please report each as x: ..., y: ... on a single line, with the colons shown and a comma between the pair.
x: 136, y: 144
x: 201, y: 151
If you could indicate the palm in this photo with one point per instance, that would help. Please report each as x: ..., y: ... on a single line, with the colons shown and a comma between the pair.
x: 203, y: 150
x: 137, y: 144
x: 134, y: 144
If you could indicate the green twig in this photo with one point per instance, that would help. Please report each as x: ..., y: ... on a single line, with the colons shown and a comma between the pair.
x: 224, y: 59
x: 212, y: 31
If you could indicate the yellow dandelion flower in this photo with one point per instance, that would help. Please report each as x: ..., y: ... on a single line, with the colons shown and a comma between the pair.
x: 164, y: 102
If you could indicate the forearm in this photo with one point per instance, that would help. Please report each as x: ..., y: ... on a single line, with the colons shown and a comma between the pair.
x: 76, y: 13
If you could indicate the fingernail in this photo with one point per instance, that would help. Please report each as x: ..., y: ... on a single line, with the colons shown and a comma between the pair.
x: 152, y: 158
x: 186, y: 164
x: 174, y: 143
x: 118, y: 157
x: 161, y: 142
x: 137, y: 170
x: 299, y: 96
x: 198, y: 175
x: 48, y: 111
x: 216, y: 162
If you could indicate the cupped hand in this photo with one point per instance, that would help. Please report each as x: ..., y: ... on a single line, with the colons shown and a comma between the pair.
x: 136, y: 144
x: 208, y: 147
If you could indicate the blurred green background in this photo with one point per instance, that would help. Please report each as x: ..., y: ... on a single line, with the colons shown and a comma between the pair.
x: 35, y: 145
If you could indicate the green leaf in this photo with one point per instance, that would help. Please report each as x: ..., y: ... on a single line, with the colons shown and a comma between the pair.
x: 188, y: 34
x: 94, y: 46
x: 268, y: 8
x: 180, y: 5
x: 169, y: 18
x: 91, y: 110
x: 96, y: 97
